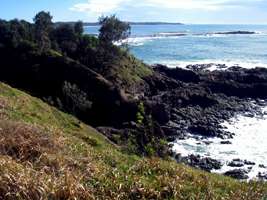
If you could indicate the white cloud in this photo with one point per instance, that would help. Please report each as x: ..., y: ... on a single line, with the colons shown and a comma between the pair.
x: 98, y: 6
x: 106, y: 6
x: 184, y: 4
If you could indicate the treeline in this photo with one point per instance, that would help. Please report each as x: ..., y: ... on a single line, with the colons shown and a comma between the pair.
x: 67, y: 39
x: 63, y: 65
x: 131, y: 23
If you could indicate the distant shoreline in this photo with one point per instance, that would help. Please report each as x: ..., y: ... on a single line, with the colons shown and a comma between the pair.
x: 131, y: 23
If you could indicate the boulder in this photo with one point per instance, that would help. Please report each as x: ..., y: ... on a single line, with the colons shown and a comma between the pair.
x: 262, y: 166
x: 262, y: 176
x: 226, y: 142
x: 246, y: 162
x: 204, y: 130
x: 160, y: 111
x: 179, y: 74
x: 240, y: 174
x: 236, y: 163
x: 205, y: 163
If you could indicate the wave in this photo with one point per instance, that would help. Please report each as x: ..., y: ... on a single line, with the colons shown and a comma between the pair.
x: 137, y: 40
x: 252, y: 146
x: 212, y: 65
x: 169, y: 34
x: 141, y: 40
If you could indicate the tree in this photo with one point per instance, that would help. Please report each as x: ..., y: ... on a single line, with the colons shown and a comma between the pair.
x: 17, y: 32
x: 43, y: 26
x: 113, y: 30
x: 65, y: 37
x: 4, y: 32
x: 14, y: 32
x: 64, y: 32
x: 78, y: 28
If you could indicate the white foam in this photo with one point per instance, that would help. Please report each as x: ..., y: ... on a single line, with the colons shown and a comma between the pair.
x: 249, y: 143
x: 168, y: 34
x: 135, y: 40
x: 213, y: 63
x: 211, y: 35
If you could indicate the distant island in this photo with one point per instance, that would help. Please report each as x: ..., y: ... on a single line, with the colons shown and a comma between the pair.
x: 131, y: 23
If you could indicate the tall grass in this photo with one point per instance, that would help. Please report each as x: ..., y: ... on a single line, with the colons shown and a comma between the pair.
x: 46, y: 154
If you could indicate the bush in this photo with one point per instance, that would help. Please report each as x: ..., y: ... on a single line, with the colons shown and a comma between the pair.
x: 76, y: 100
x: 113, y: 30
x: 140, y: 114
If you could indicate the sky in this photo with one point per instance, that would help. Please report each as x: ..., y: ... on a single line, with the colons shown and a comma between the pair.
x: 185, y: 11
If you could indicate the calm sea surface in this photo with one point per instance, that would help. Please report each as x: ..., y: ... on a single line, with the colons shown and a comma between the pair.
x: 183, y: 44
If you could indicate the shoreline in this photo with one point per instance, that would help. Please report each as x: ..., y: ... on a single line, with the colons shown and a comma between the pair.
x: 212, y: 65
x: 226, y: 152
x: 202, y: 118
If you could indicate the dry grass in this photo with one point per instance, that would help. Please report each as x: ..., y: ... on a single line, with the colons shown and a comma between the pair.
x: 46, y: 154
x: 3, y: 106
x: 33, y: 166
x: 18, y: 182
x: 25, y: 142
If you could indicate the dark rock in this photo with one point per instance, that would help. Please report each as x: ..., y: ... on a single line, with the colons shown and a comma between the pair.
x: 206, y: 130
x: 160, y: 112
x: 170, y: 131
x: 262, y: 166
x: 238, y: 82
x: 246, y: 162
x: 109, y: 132
x: 178, y: 158
x: 159, y: 83
x: 226, y: 142
x: 251, y: 115
x: 262, y: 176
x: 171, y: 138
x: 240, y: 174
x: 207, y: 142
x: 236, y: 163
x: 236, y: 32
x: 206, y: 164
x: 178, y: 74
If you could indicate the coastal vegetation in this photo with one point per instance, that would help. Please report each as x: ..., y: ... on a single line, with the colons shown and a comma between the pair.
x: 96, y: 121
x: 47, y: 154
x: 71, y: 70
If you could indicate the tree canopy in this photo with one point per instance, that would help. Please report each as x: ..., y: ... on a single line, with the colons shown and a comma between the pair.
x: 113, y: 30
x: 67, y: 38
x: 78, y: 27
x: 43, y: 26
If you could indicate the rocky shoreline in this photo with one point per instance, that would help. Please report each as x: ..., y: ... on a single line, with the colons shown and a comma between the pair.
x: 203, y: 102
x: 193, y: 103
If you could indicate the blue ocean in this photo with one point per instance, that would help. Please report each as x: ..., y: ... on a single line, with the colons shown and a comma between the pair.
x: 180, y: 45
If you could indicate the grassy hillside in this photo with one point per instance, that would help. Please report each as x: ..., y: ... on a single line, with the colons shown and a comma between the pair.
x: 46, y: 154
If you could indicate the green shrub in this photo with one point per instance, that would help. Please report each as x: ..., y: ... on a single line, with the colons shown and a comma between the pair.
x: 76, y: 100
x: 140, y: 113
